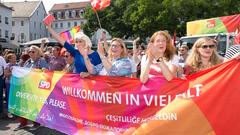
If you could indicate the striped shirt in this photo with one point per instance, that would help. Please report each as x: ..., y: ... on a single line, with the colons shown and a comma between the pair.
x: 232, y: 51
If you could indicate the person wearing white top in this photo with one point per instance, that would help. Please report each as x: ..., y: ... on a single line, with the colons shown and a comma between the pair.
x: 2, y: 66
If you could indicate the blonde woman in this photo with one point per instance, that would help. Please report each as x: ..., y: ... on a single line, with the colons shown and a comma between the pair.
x: 203, y: 56
x: 115, y: 64
x: 160, y: 58
x: 82, y: 42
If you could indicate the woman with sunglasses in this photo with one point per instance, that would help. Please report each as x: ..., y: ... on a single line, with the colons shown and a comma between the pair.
x: 160, y: 58
x: 203, y: 56
x: 115, y: 64
x: 82, y: 42
x: 37, y: 62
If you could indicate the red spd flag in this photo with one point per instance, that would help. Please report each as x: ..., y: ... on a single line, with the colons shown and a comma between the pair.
x: 48, y: 19
x: 100, y: 4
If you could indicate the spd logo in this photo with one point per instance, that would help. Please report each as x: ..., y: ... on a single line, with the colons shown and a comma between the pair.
x: 43, y: 84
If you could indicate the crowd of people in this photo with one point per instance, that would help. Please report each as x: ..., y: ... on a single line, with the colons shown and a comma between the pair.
x: 160, y: 58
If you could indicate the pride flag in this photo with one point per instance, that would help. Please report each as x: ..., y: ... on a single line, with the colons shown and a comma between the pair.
x: 207, y: 103
x: 69, y: 34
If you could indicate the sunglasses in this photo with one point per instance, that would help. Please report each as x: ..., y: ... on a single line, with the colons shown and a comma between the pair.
x: 208, y: 46
x: 181, y: 50
x: 31, y: 51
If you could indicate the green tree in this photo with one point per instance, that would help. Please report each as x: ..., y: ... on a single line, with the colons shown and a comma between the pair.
x: 131, y: 18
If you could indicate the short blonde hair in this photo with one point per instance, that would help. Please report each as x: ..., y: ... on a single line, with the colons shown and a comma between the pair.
x: 82, y: 36
x: 36, y: 49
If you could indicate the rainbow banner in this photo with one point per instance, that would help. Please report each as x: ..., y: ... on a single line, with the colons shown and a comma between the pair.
x: 207, y: 103
x: 225, y: 24
x: 69, y: 34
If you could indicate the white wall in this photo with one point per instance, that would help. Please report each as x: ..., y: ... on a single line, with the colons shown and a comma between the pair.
x: 4, y: 12
x: 37, y: 17
x: 18, y: 29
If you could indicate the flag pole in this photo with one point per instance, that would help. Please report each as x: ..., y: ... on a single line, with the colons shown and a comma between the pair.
x: 98, y: 19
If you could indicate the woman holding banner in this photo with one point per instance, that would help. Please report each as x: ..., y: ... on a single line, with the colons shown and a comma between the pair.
x: 115, y: 64
x: 203, y: 56
x: 81, y: 41
x: 160, y: 58
x: 35, y: 62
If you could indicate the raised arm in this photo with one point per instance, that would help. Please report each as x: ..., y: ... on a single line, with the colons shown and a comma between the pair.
x: 55, y: 35
x: 87, y: 61
x: 106, y: 63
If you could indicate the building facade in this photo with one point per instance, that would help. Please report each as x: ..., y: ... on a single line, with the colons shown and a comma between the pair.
x: 5, y: 24
x: 27, y: 21
x: 68, y: 15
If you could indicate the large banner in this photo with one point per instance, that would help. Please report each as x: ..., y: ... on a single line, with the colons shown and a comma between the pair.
x: 225, y: 24
x: 206, y: 103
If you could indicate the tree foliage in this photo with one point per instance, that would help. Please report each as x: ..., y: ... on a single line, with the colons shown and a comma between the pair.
x: 131, y: 18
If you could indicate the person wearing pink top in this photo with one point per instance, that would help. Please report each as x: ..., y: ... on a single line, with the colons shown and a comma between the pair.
x: 160, y: 58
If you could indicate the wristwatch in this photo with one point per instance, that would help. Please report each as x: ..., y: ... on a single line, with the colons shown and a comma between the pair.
x: 160, y: 59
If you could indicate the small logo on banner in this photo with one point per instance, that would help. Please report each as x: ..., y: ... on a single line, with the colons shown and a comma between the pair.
x: 211, y: 23
x: 46, y: 80
x: 43, y: 84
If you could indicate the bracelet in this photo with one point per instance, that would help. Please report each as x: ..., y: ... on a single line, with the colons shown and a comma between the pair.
x: 104, y: 57
x: 86, y: 58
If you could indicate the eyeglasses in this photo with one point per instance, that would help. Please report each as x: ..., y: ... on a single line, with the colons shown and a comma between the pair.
x: 31, y: 51
x: 78, y: 41
x: 115, y: 46
x: 208, y: 46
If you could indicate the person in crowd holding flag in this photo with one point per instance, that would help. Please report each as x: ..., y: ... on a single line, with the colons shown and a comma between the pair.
x: 232, y: 52
x: 81, y: 41
x: 37, y: 62
x: 115, y: 64
x: 203, y: 56
x: 160, y: 58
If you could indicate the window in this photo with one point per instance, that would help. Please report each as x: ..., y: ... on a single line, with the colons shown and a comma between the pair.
x: 75, y: 23
x: 31, y: 37
x: 13, y: 23
x: 0, y: 33
x: 6, y: 34
x: 61, y: 25
x: 56, y: 25
x: 69, y: 24
x: 13, y: 36
x: 22, y: 23
x: 22, y: 36
x: 40, y: 26
x: 70, y: 14
x: 35, y: 36
x: 62, y: 15
x: 34, y: 24
x: 6, y: 20
x: 0, y: 18
x: 37, y: 13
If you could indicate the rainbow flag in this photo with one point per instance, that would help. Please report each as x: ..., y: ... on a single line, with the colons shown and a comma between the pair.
x: 69, y: 34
